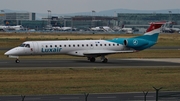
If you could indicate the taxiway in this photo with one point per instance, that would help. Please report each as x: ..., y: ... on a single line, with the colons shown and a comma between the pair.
x: 80, y: 63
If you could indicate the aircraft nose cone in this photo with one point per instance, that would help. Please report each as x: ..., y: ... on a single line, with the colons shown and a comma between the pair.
x: 11, y: 52
x: 7, y: 53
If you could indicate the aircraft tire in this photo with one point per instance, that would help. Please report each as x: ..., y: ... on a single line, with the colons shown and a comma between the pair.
x: 92, y: 59
x: 17, y: 61
x: 105, y: 60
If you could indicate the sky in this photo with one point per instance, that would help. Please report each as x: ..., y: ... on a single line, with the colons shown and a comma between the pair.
x: 74, y: 6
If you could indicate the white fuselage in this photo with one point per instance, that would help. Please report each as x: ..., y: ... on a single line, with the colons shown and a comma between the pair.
x: 76, y: 47
x: 17, y: 27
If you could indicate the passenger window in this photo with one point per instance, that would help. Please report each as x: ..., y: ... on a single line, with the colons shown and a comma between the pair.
x: 87, y: 45
x: 50, y: 45
x: 91, y: 44
x: 117, y: 44
x: 104, y: 44
x: 82, y: 45
x: 69, y: 45
x: 55, y: 45
x: 73, y: 45
x: 109, y: 44
x: 60, y: 45
x: 46, y: 45
x: 64, y: 45
x: 96, y: 44
x: 78, y: 45
x: 113, y: 44
x: 100, y: 44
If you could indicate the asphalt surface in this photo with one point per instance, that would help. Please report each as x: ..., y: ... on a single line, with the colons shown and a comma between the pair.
x: 138, y: 96
x: 80, y: 63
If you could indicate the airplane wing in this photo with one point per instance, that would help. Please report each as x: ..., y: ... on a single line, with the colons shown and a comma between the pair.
x: 105, y: 52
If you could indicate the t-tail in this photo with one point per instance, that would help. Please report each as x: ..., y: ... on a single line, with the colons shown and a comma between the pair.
x: 147, y: 40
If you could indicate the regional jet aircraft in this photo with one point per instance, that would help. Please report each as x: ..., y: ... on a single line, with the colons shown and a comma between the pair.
x: 89, y: 48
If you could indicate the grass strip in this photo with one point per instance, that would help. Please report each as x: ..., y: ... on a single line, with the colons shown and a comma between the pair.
x: 91, y: 80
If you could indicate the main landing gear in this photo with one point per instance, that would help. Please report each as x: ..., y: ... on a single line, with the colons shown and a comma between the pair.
x: 103, y: 59
x: 92, y: 59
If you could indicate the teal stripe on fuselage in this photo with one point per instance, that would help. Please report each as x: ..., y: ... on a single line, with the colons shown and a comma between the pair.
x: 117, y: 40
x: 152, y: 39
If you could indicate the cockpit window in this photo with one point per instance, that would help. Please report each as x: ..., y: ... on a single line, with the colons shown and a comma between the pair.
x: 22, y: 45
x: 27, y: 45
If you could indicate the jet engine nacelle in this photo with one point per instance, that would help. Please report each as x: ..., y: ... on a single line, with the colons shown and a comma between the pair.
x: 135, y: 43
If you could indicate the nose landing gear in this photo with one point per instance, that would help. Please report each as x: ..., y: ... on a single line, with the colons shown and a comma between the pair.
x: 16, y: 57
x: 17, y: 61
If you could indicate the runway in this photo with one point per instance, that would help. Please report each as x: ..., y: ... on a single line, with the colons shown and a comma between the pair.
x: 80, y: 63
x: 132, y: 96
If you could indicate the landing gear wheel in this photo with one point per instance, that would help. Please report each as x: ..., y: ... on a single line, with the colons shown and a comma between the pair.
x: 105, y: 60
x: 92, y: 59
x: 17, y: 61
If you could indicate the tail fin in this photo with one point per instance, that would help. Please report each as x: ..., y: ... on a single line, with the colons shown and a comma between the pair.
x: 155, y: 26
x: 153, y: 31
x: 147, y: 40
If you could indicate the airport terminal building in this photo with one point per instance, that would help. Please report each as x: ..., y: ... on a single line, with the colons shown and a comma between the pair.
x: 17, y: 18
x: 91, y: 21
x: 2, y: 18
x: 20, y: 16
x: 145, y: 18
x: 27, y: 20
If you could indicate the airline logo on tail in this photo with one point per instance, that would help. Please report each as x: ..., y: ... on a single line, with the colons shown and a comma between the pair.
x: 135, y: 42
x: 155, y: 26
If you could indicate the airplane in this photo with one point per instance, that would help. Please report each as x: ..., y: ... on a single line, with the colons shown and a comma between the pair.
x: 17, y: 27
x: 127, y: 30
x: 3, y: 27
x: 97, y: 29
x: 64, y: 28
x: 89, y: 48
x: 102, y: 29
